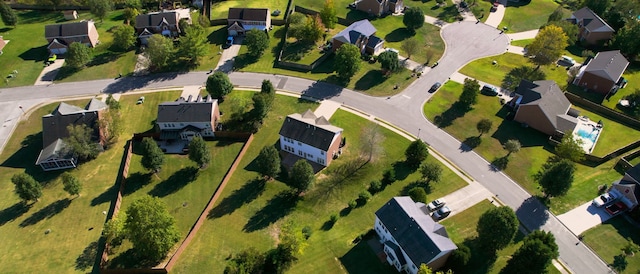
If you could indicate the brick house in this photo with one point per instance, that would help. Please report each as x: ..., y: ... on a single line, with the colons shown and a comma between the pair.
x: 593, y: 29
x: 60, y: 36
x: 241, y: 20
x: 165, y: 23
x: 603, y: 73
x: 380, y: 7
x: 310, y: 137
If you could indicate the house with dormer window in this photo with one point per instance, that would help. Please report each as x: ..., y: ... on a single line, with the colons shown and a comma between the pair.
x: 310, y: 137
x: 165, y: 23
x: 185, y: 118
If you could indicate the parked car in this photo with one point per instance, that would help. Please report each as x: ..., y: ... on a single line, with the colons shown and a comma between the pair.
x: 566, y: 60
x: 489, y: 90
x: 463, y: 5
x: 616, y: 208
x: 442, y: 213
x: 605, y: 199
x: 435, y: 87
x: 229, y: 41
x: 436, y: 204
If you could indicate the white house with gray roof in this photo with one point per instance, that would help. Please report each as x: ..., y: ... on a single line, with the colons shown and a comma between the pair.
x: 411, y: 237
x: 310, y: 137
x: 184, y: 119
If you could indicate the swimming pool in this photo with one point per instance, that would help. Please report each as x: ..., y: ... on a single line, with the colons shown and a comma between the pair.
x: 593, y: 135
x: 587, y: 133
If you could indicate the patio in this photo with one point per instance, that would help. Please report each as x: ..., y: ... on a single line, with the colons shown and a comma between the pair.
x: 587, y: 133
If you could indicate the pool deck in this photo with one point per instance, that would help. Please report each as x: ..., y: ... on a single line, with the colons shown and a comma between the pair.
x: 588, y: 142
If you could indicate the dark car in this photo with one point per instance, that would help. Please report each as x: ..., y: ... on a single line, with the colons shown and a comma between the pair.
x: 489, y: 90
x: 463, y: 4
x: 435, y: 87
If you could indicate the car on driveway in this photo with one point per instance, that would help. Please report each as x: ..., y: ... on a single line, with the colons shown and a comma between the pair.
x: 616, y: 208
x: 436, y: 204
x: 605, y: 199
x: 435, y: 87
x: 489, y: 90
x: 441, y: 213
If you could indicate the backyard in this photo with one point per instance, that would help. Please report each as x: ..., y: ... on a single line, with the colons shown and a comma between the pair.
x: 220, y: 9
x: 536, y: 13
x: 535, y: 148
x: 250, y: 209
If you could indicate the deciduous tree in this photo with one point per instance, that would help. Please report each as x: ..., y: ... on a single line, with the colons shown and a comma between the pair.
x: 78, y: 55
x: 199, y: 152
x: 389, y: 62
x: 597, y: 6
x: 571, y: 30
x: 71, y: 184
x: 27, y: 188
x: 159, y: 50
x: 570, y: 148
x: 347, y: 61
x: 483, y: 126
x: 124, y: 37
x: 301, y: 176
x: 9, y: 17
x: 328, y: 14
x: 219, y: 85
x: 512, y: 146
x: 556, y: 15
x: 416, y: 153
x: 469, y: 95
x: 151, y: 228
x: 111, y: 122
x: 556, y: 178
x: 496, y: 228
x: 410, y: 46
x: 413, y: 18
x: 535, y: 254
x: 152, y: 155
x: 418, y: 194
x: 548, y: 45
x: 371, y: 143
x: 80, y: 142
x: 100, y: 8
x: 268, y: 162
x: 626, y: 39
x: 130, y: 14
x: 431, y: 172
x: 193, y: 45
x: 114, y: 231
x: 516, y: 75
x: 257, y: 42
x: 247, y: 261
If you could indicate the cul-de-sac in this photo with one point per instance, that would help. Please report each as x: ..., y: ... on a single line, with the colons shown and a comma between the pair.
x: 320, y: 136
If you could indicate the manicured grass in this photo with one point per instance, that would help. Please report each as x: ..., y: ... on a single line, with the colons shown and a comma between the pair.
x: 393, y: 31
x: 340, y: 6
x: 535, y: 148
x: 145, y: 114
x: 632, y: 74
x: 305, y: 53
x: 609, y: 238
x: 254, y: 221
x: 482, y: 9
x: 522, y: 43
x: 447, y: 13
x: 220, y: 9
x: 535, y: 12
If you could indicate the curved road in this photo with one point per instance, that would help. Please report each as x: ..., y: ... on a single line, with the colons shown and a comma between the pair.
x: 465, y: 42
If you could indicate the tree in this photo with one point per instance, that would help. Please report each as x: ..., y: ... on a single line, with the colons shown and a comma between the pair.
x: 418, y: 194
x: 347, y: 61
x: 557, y: 14
x: 124, y: 37
x: 159, y: 50
x: 571, y: 30
x: 496, y: 228
x: 483, y: 126
x: 219, y: 85
x: 9, y: 17
x: 413, y: 19
x: 570, y: 148
x: 630, y: 248
x: 136, y: 4
x: 80, y: 142
x: 556, y: 178
x: 301, y: 176
x: 27, y: 188
x: 516, y: 75
x: 535, y: 254
x: 371, y: 143
x: 389, y: 62
x: 257, y: 42
x: 410, y: 46
x: 152, y: 155
x: 292, y: 244
x: 548, y: 45
x: 459, y: 259
x: 261, y: 107
x: 268, y: 162
x: 111, y: 122
x: 626, y: 39
x: 193, y: 45
x: 512, y: 146
x: 313, y: 29
x: 130, y: 14
x: 597, y: 6
x: 151, y: 228
x: 622, y: 12
x: 416, y: 153
x: 328, y: 14
x: 247, y: 261
x: 71, y: 184
x: 469, y: 94
x: 267, y: 87
x: 297, y: 22
x: 199, y: 152
x: 100, y: 8
x: 78, y: 55
x: 431, y: 172
x: 114, y: 231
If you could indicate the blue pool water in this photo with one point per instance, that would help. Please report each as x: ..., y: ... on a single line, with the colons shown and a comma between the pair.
x: 593, y: 135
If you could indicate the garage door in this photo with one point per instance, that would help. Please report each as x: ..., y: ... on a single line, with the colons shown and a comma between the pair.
x: 59, y: 51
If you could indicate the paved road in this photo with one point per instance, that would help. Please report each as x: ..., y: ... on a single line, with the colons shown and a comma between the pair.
x: 465, y: 41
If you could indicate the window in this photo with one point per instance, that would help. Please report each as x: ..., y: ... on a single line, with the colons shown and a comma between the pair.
x: 321, y: 152
x: 300, y: 152
x: 299, y: 144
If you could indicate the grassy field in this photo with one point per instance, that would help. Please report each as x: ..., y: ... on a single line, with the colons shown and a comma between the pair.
x: 220, y: 9
x: 264, y: 207
x: 482, y: 9
x: 535, y: 148
x: 522, y: 43
x: 536, y: 13
x: 609, y: 238
x: 392, y: 30
x: 447, y: 13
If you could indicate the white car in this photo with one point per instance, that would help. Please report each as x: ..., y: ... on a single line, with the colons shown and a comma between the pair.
x: 435, y: 205
x: 605, y: 199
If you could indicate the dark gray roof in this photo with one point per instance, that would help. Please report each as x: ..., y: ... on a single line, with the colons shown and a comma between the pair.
x: 547, y: 95
x: 591, y: 21
x: 248, y: 14
x: 183, y: 111
x: 374, y: 41
x: 354, y: 31
x: 397, y: 250
x: 634, y: 173
x: 309, y: 129
x: 154, y: 19
x: 68, y: 29
x: 608, y: 65
x: 421, y: 238
x: 55, y: 149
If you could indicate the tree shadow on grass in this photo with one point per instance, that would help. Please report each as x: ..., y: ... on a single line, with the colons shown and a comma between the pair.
x: 534, y: 212
x: 369, y: 80
x: 449, y: 14
x: 135, y: 182
x: 527, y: 137
x: 470, y: 143
x: 13, y: 212
x: 130, y: 259
x: 175, y: 182
x: 426, y: 186
x: 398, y: 35
x: 104, y: 58
x: 481, y: 260
x: 244, y: 195
x: 106, y: 196
x: 456, y: 111
x: 362, y: 258
x: 88, y: 257
x: 46, y: 212
x: 278, y: 207
x: 499, y: 163
x: 243, y: 60
x: 217, y: 37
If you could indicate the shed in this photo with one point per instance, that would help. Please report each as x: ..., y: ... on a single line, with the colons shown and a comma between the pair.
x: 70, y: 14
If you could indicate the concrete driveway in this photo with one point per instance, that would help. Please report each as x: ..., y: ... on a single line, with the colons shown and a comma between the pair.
x: 49, y: 73
x: 225, y: 64
x: 584, y: 217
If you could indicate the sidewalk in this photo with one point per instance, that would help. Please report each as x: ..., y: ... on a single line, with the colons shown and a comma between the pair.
x: 434, y: 21
x: 495, y: 17
x: 516, y: 49
x: 327, y: 108
x: 49, y: 73
x: 530, y: 34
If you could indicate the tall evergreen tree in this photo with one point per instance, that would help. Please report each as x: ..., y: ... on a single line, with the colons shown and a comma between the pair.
x: 198, y: 152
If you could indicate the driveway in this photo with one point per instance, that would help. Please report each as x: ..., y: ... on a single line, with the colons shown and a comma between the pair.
x: 49, y: 73
x: 225, y: 64
x: 584, y: 217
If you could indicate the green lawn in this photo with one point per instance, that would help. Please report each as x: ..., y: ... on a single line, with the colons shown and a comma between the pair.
x: 220, y: 9
x: 527, y: 15
x: 340, y: 6
x: 393, y: 31
x: 482, y: 9
x: 535, y: 148
x: 522, y: 43
x: 254, y: 221
x: 446, y: 13
x: 632, y: 74
x: 609, y: 238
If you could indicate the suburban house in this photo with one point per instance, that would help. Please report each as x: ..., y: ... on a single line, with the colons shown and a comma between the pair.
x: 411, y: 237
x: 54, y: 154
x: 70, y: 14
x: 310, y: 137
x: 541, y: 105
x: 629, y: 187
x: 241, y: 20
x: 3, y: 43
x: 592, y: 28
x: 361, y: 34
x: 165, y: 23
x: 60, y: 36
x: 380, y: 7
x: 603, y: 73
x: 184, y: 119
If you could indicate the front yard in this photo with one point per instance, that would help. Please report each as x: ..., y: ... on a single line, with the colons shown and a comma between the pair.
x: 536, y: 13
x: 393, y: 31
x: 608, y: 239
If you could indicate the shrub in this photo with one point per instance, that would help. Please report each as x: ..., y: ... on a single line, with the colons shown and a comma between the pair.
x: 375, y: 187
x: 307, y: 231
x: 364, y: 197
x: 334, y: 218
x: 389, y: 176
x: 352, y: 204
